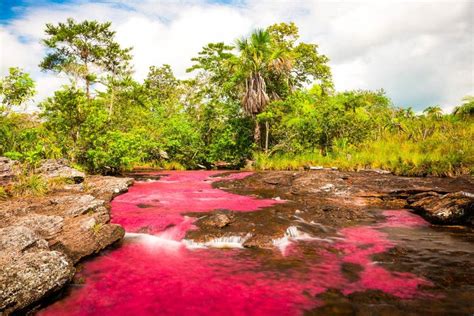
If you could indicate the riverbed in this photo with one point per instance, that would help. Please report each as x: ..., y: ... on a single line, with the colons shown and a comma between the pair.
x: 387, y: 261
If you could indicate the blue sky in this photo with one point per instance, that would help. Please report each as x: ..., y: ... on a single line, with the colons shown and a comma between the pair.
x: 421, y: 52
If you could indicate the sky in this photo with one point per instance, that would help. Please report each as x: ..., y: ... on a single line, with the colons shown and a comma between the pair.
x: 420, y: 52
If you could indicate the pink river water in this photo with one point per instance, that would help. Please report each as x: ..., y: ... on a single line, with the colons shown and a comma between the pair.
x: 155, y: 273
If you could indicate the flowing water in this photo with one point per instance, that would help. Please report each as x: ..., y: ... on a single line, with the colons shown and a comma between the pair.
x: 397, y: 265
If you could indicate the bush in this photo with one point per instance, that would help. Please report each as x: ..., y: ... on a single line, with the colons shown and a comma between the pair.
x: 30, y: 185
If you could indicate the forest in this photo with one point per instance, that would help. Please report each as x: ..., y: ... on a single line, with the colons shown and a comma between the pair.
x: 264, y: 102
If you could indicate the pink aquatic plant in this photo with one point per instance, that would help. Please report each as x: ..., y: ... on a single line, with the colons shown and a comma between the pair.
x: 156, y: 274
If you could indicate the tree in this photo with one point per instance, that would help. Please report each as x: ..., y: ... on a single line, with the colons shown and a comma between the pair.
x: 256, y: 61
x: 466, y: 109
x: 84, y: 51
x: 161, y: 86
x: 433, y: 111
x: 15, y: 89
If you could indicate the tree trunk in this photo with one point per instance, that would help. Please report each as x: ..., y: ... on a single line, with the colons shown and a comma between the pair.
x: 256, y: 134
x: 267, y: 133
x: 88, y: 89
x: 111, y: 104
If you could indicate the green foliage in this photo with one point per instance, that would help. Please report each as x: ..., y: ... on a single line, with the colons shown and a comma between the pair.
x: 15, y: 89
x: 77, y: 48
x: 243, y: 101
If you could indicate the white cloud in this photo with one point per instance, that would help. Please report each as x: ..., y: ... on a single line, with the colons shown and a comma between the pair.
x: 420, y: 52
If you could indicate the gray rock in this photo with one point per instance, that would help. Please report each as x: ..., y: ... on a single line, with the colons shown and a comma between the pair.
x: 106, y: 188
x: 44, y: 225
x: 16, y: 239
x: 54, y: 168
x: 31, y: 276
x: 79, y: 204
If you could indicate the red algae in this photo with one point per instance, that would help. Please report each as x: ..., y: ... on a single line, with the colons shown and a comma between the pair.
x: 146, y: 276
x: 176, y: 193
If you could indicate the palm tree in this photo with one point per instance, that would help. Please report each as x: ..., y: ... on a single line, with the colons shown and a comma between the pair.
x: 466, y: 109
x: 434, y: 111
x: 257, y: 61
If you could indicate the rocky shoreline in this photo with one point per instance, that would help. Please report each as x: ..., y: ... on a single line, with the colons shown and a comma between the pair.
x: 43, y: 238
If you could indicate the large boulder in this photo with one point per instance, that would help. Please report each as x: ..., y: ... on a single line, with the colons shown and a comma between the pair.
x: 28, y: 269
x: 59, y: 168
x: 451, y: 208
x: 30, y: 276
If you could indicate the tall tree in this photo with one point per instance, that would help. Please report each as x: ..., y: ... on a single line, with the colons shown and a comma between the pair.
x: 256, y: 61
x: 84, y: 51
x: 15, y: 89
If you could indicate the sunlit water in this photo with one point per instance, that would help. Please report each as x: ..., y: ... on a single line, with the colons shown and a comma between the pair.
x: 397, y: 263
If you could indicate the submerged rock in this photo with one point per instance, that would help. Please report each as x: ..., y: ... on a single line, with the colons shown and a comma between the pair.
x: 218, y: 220
x: 451, y: 208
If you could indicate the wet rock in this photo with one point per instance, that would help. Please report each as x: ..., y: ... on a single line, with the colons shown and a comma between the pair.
x: 8, y: 169
x: 218, y: 220
x: 451, y: 208
x: 54, y: 168
x: 77, y: 242
x: 31, y: 276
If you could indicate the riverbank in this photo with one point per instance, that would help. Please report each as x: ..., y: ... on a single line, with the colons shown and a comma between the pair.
x: 42, y: 238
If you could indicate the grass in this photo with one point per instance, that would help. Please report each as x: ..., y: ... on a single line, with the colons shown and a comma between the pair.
x: 29, y: 185
x: 442, y: 154
x: 172, y: 165
x: 58, y: 183
x: 96, y: 228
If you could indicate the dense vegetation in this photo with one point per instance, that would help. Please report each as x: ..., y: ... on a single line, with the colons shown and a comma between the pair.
x: 268, y: 98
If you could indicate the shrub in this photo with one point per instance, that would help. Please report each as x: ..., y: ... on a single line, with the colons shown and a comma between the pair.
x: 30, y: 185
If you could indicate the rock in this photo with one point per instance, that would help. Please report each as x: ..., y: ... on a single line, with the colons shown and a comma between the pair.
x: 79, y: 204
x: 78, y: 243
x: 451, y: 208
x: 163, y: 154
x: 8, y: 169
x: 218, y: 220
x: 44, y: 225
x: 17, y: 239
x: 54, y: 168
x: 31, y: 276
x: 327, y: 187
x: 316, y: 167
x: 106, y: 188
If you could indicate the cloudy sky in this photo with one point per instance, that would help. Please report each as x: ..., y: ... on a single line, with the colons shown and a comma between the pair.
x: 421, y: 52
